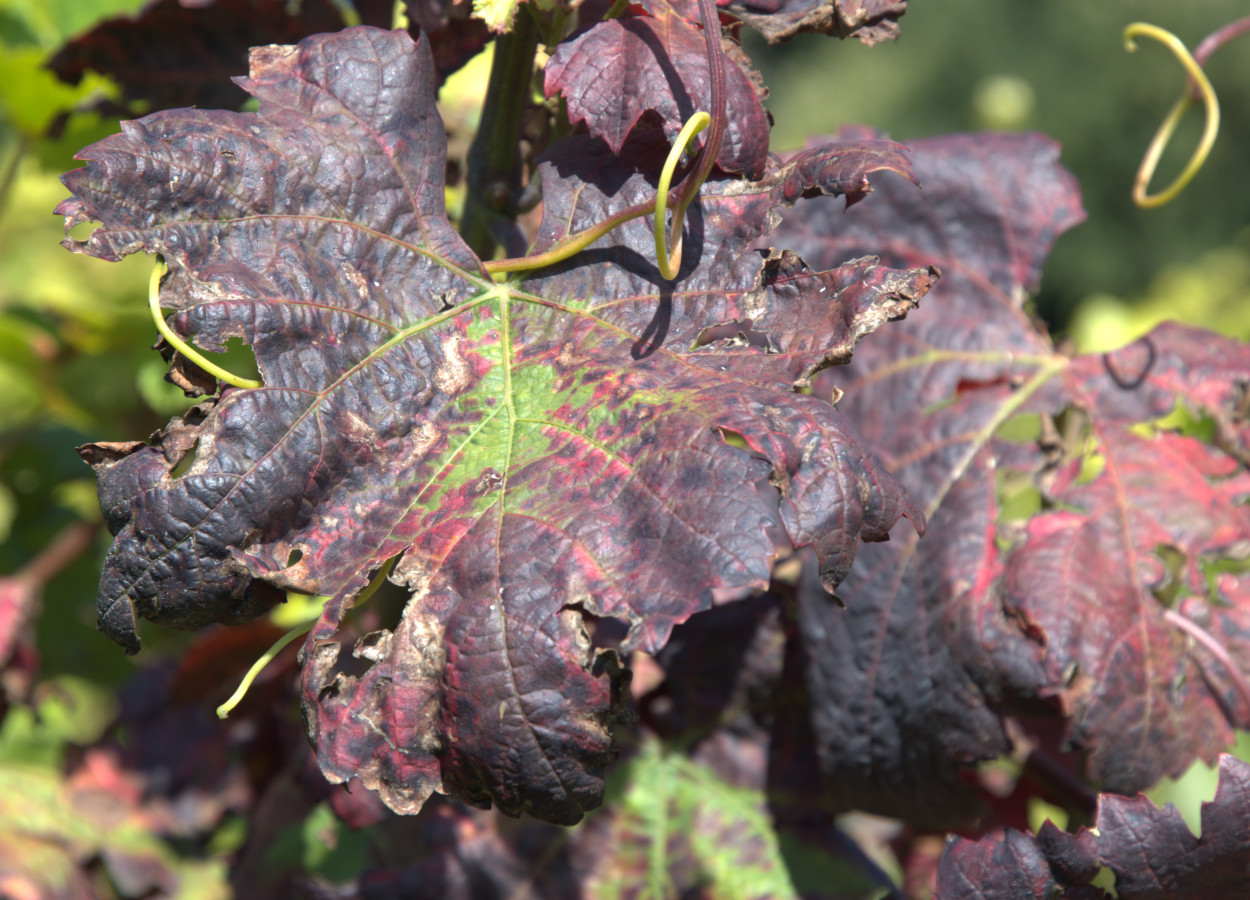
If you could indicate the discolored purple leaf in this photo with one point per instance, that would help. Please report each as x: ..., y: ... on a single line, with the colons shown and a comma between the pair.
x: 779, y: 20
x: 620, y: 70
x: 182, y: 53
x: 896, y: 709
x: 532, y: 453
x: 175, y: 53
x: 1068, y: 613
x: 1151, y: 851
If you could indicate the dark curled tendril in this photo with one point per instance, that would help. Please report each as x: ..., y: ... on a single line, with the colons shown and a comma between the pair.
x: 1133, y: 383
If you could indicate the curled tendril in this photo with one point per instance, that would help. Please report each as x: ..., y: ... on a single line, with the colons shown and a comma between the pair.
x: 1197, y: 80
x: 670, y: 263
x: 154, y: 290
x: 269, y: 655
x: 688, y: 189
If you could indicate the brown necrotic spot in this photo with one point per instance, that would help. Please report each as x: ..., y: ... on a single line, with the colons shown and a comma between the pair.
x: 454, y: 374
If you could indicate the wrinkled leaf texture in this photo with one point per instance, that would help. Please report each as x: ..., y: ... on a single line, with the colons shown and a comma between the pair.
x: 1152, y: 852
x: 871, y: 21
x: 530, y: 452
x: 619, y: 69
x: 1065, y: 614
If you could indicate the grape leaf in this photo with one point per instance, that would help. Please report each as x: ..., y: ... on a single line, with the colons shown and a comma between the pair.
x: 1151, y: 851
x: 950, y: 633
x: 174, y: 53
x: 896, y: 711
x: 619, y: 69
x: 182, y: 53
x: 871, y: 21
x: 530, y: 452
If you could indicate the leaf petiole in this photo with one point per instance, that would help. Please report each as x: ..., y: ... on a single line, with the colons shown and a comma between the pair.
x: 1202, y: 84
x: 670, y: 263
x: 154, y: 290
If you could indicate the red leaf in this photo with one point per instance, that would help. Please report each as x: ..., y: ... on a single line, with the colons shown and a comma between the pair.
x: 950, y: 633
x: 620, y: 69
x: 532, y: 452
x: 1151, y: 851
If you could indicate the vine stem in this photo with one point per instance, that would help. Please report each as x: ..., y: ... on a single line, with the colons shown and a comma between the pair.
x: 671, y: 262
x: 257, y: 667
x: 1217, y: 39
x: 494, y: 163
x: 716, y: 132
x: 22, y: 590
x: 70, y: 543
x: 1216, y: 649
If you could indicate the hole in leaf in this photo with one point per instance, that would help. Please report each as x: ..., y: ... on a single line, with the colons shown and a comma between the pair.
x: 1025, y: 428
x: 606, y: 632
x: 738, y: 334
x: 1105, y: 879
x: 1172, y: 587
x: 1185, y: 421
x: 188, y: 460
x: 1215, y: 570
x: 239, y: 359
x: 381, y: 604
x: 1092, y: 465
x: 733, y: 438
x: 1018, y: 497
x: 293, y: 557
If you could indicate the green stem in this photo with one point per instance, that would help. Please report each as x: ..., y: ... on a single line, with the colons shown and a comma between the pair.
x: 347, y: 10
x: 570, y: 246
x: 257, y: 667
x: 494, y: 164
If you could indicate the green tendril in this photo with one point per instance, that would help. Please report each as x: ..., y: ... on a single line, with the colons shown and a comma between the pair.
x: 154, y: 290
x: 280, y: 644
x: 670, y: 263
x: 257, y: 667
x: 566, y: 248
x: 1198, y: 80
x: 347, y: 11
